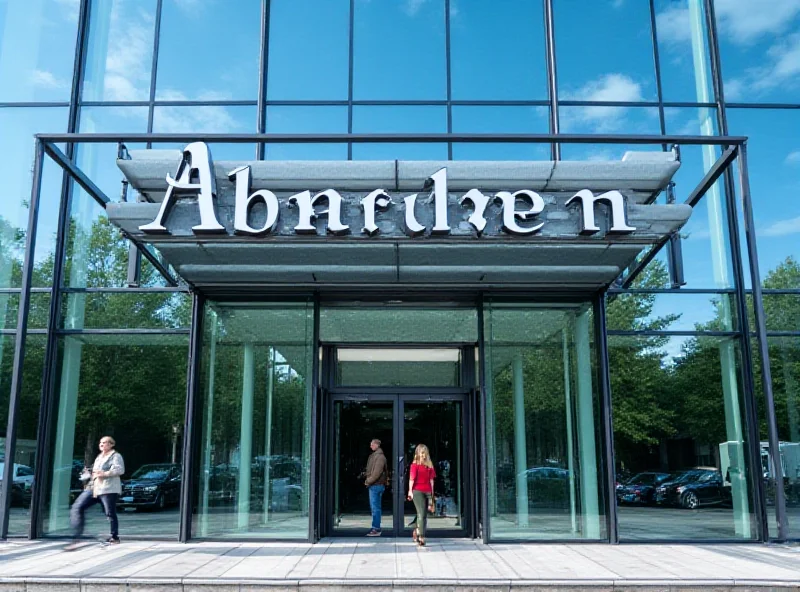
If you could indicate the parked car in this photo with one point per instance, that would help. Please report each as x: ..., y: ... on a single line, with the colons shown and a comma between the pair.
x: 641, y: 488
x: 20, y: 485
x: 152, y: 486
x: 693, y: 488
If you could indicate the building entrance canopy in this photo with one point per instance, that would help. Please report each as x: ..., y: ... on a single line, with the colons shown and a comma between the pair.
x: 527, y: 223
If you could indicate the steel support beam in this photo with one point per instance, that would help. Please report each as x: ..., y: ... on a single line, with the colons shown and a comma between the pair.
x: 191, y: 431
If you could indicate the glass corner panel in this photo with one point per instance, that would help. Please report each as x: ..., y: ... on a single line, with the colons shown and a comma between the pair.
x: 681, y: 439
x: 254, y: 477
x: 543, y: 424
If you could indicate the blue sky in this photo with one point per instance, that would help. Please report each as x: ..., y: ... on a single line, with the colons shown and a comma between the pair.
x: 208, y: 50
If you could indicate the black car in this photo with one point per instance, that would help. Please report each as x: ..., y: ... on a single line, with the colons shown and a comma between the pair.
x: 692, y: 489
x: 641, y: 488
x: 153, y: 487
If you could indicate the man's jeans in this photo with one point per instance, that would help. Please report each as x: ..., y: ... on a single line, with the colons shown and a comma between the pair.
x: 86, y: 500
x: 375, y: 494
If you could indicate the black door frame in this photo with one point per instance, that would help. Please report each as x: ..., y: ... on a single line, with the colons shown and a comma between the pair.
x: 399, y: 396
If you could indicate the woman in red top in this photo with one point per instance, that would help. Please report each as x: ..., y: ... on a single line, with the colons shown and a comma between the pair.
x: 420, y: 490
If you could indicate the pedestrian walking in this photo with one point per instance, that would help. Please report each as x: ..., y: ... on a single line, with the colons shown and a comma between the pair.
x: 103, y: 486
x: 420, y: 490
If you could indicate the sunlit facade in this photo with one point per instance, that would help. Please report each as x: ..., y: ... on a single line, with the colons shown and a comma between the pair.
x: 633, y: 413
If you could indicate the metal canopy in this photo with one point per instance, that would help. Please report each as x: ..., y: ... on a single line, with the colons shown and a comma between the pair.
x: 558, y: 256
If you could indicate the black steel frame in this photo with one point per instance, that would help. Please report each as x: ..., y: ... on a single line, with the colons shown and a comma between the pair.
x: 735, y: 152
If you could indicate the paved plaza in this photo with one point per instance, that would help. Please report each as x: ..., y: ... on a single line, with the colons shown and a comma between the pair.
x: 394, y: 564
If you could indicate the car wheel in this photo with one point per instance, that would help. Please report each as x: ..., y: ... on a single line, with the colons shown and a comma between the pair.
x: 161, y: 502
x: 690, y: 500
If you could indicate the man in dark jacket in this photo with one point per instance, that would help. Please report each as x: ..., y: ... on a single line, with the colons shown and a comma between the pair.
x: 376, y: 483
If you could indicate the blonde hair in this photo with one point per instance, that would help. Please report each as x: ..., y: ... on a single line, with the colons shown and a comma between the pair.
x: 422, y: 456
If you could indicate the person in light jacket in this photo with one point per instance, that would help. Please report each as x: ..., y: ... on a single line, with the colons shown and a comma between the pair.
x: 103, y: 486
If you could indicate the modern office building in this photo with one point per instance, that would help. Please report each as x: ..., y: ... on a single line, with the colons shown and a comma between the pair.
x: 556, y: 241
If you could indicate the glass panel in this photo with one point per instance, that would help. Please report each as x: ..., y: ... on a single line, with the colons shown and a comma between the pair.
x: 439, y: 427
x: 18, y: 127
x: 306, y: 120
x: 298, y: 69
x: 100, y: 387
x: 38, y: 312
x: 412, y: 66
x: 438, y: 367
x: 760, y: 52
x: 398, y: 325
x: 37, y: 49
x: 355, y: 425
x: 120, y: 50
x: 256, y: 423
x: 192, y: 66
x: 400, y: 151
x: 668, y: 312
x: 27, y: 426
x: 680, y: 439
x: 543, y: 424
x: 115, y: 310
x: 683, y: 51
x: 623, y: 70
x: 482, y: 68
x: 607, y: 120
x: 774, y: 167
x: 395, y: 120
x: 501, y: 120
x: 220, y: 119
x: 784, y: 358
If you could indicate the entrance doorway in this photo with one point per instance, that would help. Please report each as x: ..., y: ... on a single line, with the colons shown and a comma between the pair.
x: 401, y: 417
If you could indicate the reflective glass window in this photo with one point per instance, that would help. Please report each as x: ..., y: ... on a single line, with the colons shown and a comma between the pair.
x: 497, y: 51
x: 760, y: 51
x: 18, y: 127
x: 102, y: 382
x: 399, y: 50
x: 27, y: 425
x: 120, y: 50
x: 220, y: 119
x: 37, y: 49
x: 209, y: 50
x: 543, y: 424
x: 256, y: 423
x: 773, y: 159
x: 604, y: 51
x: 306, y: 120
x: 398, y: 120
x: 680, y: 437
x: 683, y: 51
x: 784, y: 359
x: 500, y: 120
x: 308, y: 50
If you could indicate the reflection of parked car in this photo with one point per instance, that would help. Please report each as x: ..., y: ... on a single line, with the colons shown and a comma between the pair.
x: 548, y: 487
x: 692, y: 489
x: 20, y: 485
x: 641, y: 488
x: 152, y: 486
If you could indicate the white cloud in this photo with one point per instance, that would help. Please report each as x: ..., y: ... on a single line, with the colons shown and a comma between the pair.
x: 743, y: 21
x: 412, y: 7
x: 781, y: 69
x: 127, y: 67
x: 195, y: 119
x: 782, y: 228
x: 610, y: 87
x: 739, y: 21
x: 72, y: 9
x: 793, y: 157
x: 45, y: 79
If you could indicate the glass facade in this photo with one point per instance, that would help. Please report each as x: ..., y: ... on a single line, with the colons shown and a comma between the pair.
x: 687, y: 414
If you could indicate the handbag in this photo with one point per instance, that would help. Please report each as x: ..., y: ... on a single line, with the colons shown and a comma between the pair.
x: 432, y: 505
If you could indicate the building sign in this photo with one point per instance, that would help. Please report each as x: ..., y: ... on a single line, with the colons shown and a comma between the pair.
x: 520, y: 213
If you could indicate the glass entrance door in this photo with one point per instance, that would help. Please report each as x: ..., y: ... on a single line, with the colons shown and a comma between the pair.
x: 400, y: 422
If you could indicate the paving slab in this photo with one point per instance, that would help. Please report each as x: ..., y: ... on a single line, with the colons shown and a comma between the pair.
x: 396, y: 565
